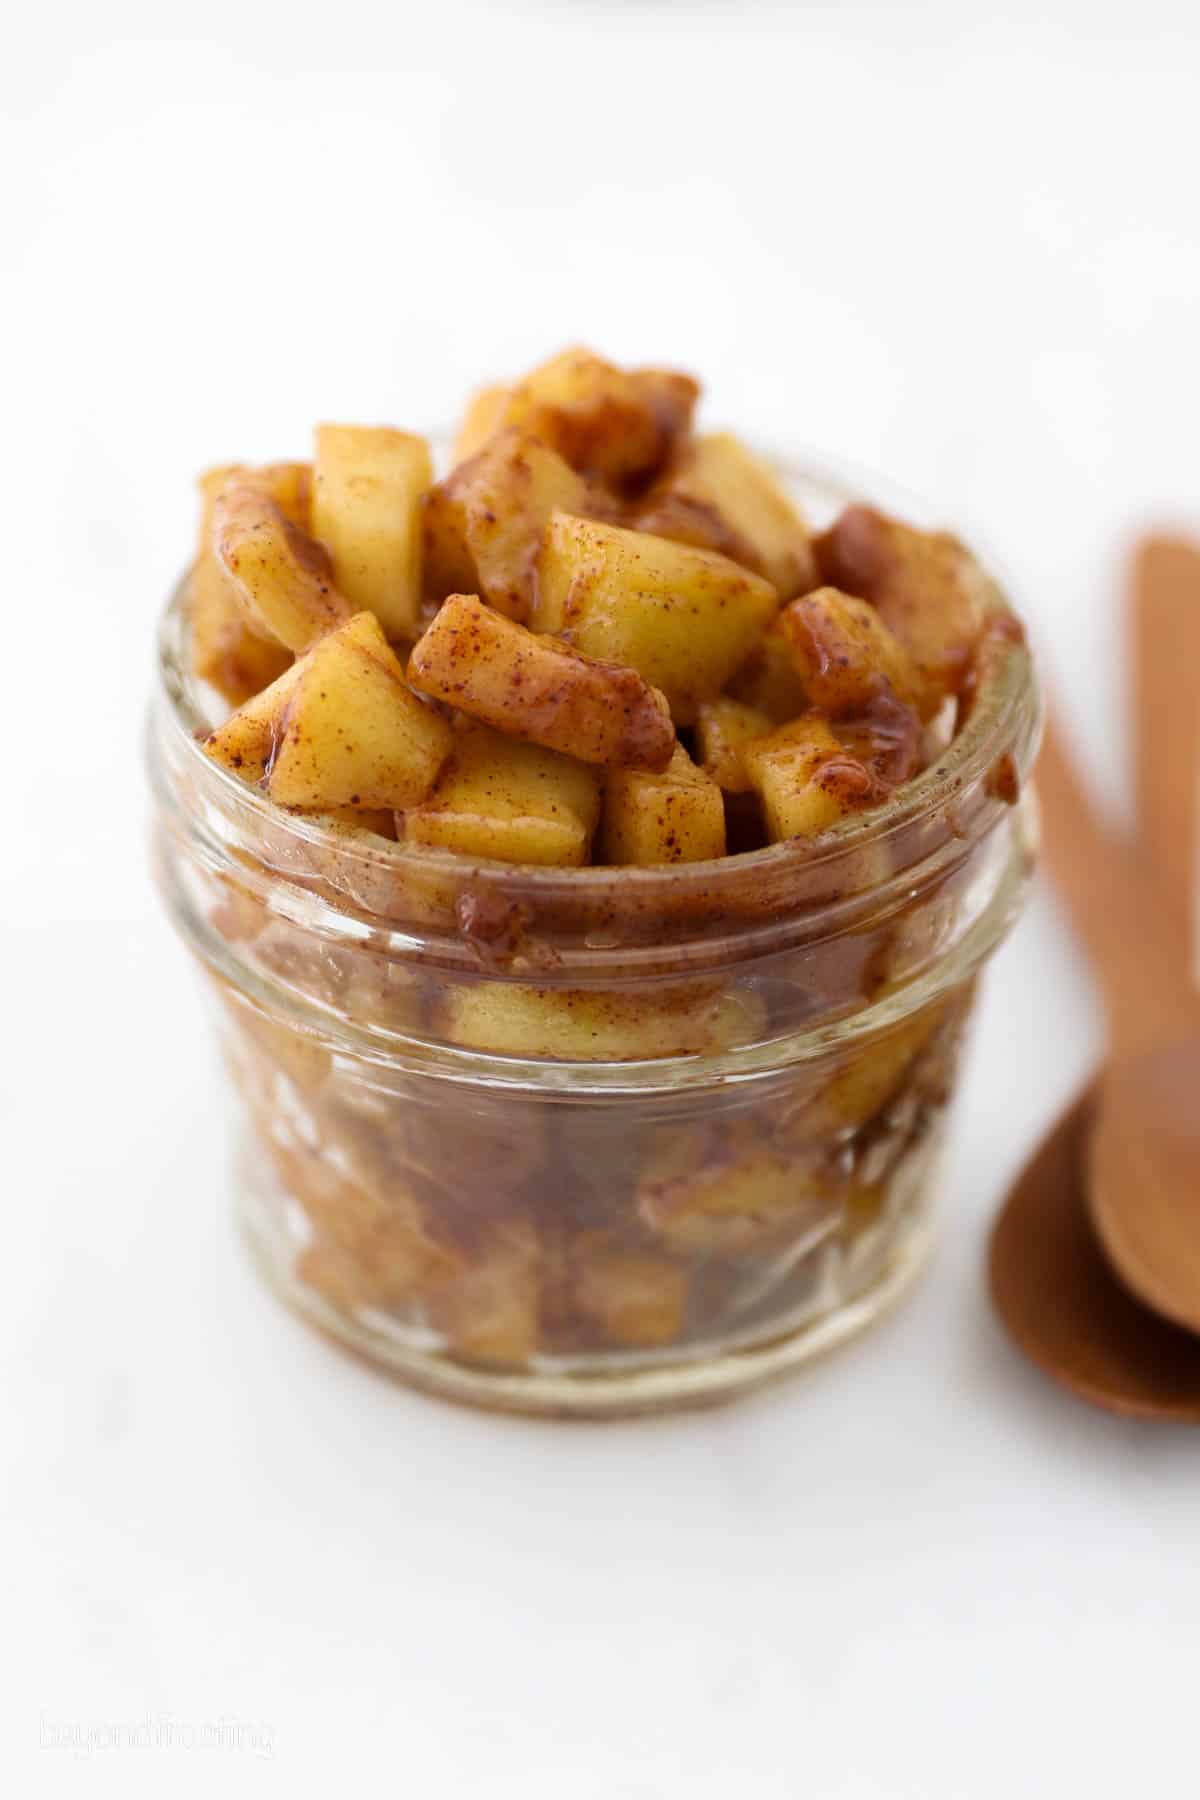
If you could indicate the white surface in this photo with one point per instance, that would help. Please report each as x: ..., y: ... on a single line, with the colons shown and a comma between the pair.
x: 964, y: 253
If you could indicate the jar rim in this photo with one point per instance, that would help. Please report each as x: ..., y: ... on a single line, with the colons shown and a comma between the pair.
x: 826, y: 879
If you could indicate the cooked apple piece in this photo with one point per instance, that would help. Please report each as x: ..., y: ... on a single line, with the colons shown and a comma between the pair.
x: 253, y: 1035
x: 366, y: 509
x: 347, y: 1283
x: 872, y: 1073
x: 490, y: 1310
x: 483, y: 525
x: 499, y: 1141
x: 288, y: 484
x: 514, y: 802
x: 380, y: 1220
x: 618, y: 424
x: 351, y: 983
x: 447, y: 566
x: 282, y: 578
x: 846, y: 655
x: 684, y: 520
x: 583, y: 1025
x: 352, y: 732
x: 239, y: 915
x: 926, y: 586
x: 539, y: 689
x: 674, y: 816
x: 685, y: 619
x: 351, y: 819
x: 769, y: 679
x: 484, y: 415
x: 719, y: 1191
x: 671, y: 396
x: 635, y: 1298
x: 246, y: 742
x: 806, y: 779
x: 335, y: 1275
x: 717, y: 494
x: 224, y: 650
x: 723, y: 729
x: 371, y: 1246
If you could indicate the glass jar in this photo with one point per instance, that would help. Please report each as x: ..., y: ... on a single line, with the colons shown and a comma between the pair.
x: 595, y: 1141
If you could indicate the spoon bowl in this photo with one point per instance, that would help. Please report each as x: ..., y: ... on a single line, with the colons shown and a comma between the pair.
x: 1144, y: 1177
x: 1061, y: 1303
x: 1095, y: 1259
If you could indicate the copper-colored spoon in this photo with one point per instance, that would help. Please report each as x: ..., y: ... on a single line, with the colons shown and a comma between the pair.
x: 1144, y: 1162
x: 1063, y: 1305
x: 1145, y: 1158
x: 1164, y: 659
x: 1051, y: 1282
x: 1144, y: 1178
x: 1049, y: 1279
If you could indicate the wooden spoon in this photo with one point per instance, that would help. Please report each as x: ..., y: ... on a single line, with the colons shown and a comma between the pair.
x: 1061, y: 1302
x: 1154, y: 1240
x: 1050, y: 1282
x: 1164, y: 660
x: 1049, y: 1278
x: 1144, y: 1162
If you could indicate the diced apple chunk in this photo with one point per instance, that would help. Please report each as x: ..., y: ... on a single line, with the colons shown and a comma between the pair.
x: 769, y: 679
x: 510, y: 801
x: 483, y: 524
x: 539, y: 688
x: 723, y: 729
x: 246, y: 742
x: 224, y: 650
x: 367, y: 487
x: 294, y: 1052
x: 685, y: 619
x: 490, y: 1309
x: 484, y: 415
x: 385, y: 1275
x: 288, y: 484
x: 845, y: 654
x: 674, y: 816
x: 633, y: 1297
x: 806, y: 779
x: 353, y: 733
x: 719, y: 495
x: 354, y: 820
x: 282, y: 578
x: 618, y: 424
x: 671, y: 396
x: 379, y: 1219
x: 371, y: 1245
x: 702, y: 1193
x: 665, y: 514
x: 926, y: 586
x: 873, y: 1072
x: 592, y: 1025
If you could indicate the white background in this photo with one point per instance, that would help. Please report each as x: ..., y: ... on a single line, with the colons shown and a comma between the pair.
x: 959, y: 248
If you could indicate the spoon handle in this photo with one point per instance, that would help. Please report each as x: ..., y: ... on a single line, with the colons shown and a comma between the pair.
x: 1134, y: 942
x: 1164, y: 646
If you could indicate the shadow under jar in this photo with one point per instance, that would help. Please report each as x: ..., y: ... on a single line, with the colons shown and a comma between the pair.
x: 599, y: 1141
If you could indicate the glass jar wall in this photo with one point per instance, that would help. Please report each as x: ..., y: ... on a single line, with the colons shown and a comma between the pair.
x: 602, y: 1140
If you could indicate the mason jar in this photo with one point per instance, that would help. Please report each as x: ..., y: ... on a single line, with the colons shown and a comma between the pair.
x: 595, y: 1141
